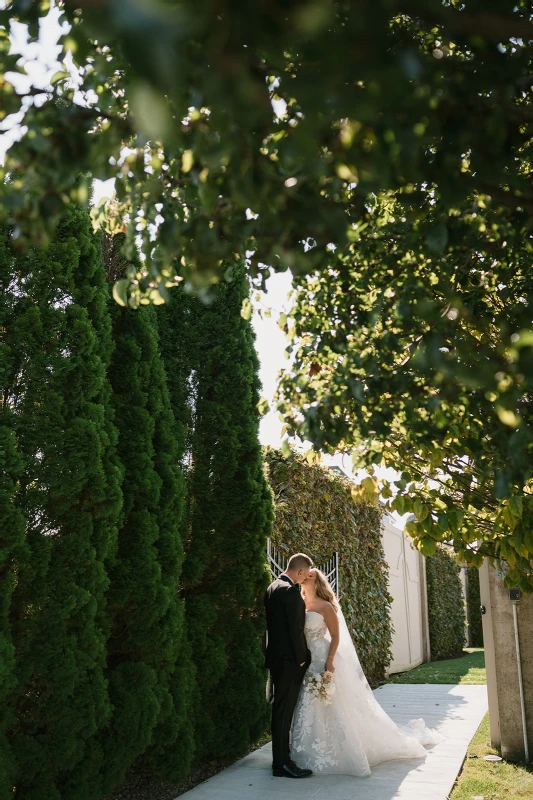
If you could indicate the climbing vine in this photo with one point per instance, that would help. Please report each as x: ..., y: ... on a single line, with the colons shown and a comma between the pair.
x: 315, y: 513
x: 446, y: 607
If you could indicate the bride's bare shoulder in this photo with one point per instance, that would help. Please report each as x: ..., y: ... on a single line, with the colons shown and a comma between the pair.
x: 325, y: 607
x: 330, y: 614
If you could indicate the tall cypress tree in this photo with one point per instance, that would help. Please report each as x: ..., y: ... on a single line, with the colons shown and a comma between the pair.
x: 230, y: 517
x: 178, y: 321
x: 148, y: 685
x: 11, y: 551
x: 70, y: 496
x: 12, y: 530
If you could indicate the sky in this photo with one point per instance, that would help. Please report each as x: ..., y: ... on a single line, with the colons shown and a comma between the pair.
x: 40, y: 60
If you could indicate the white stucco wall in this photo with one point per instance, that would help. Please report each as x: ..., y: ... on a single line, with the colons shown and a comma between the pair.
x: 410, y: 644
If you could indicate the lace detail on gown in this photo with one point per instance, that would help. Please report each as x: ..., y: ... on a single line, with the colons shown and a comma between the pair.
x: 352, y: 733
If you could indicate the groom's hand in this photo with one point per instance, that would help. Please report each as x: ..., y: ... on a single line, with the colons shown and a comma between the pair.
x: 302, y: 664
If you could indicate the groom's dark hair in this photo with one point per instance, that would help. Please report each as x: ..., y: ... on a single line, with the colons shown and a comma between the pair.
x: 299, y: 561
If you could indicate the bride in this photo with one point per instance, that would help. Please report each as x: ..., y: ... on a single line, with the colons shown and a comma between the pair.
x: 352, y: 732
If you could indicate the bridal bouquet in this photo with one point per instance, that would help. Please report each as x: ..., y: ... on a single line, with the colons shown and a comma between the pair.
x: 321, y: 686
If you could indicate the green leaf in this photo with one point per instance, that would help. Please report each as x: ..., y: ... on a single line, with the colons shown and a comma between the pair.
x: 120, y: 291
x: 246, y: 310
x: 509, y: 517
x: 187, y: 161
x: 507, y: 416
x: 285, y: 448
x: 516, y: 505
x: 437, y: 238
x: 386, y: 491
x: 398, y: 504
x: 263, y: 406
x: 512, y: 578
x: 427, y: 546
x: 421, y: 510
x: 443, y: 522
x: 150, y: 110
x: 58, y: 76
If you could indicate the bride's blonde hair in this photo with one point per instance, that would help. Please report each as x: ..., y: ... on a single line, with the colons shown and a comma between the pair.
x: 323, y: 588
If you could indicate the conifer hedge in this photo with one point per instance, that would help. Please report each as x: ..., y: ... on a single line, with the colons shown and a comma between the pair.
x: 179, y: 342
x: 149, y: 683
x: 11, y: 556
x: 474, y: 608
x: 124, y: 458
x: 143, y: 601
x: 446, y: 608
x: 59, y: 333
x: 12, y: 528
x: 315, y: 514
x: 230, y: 512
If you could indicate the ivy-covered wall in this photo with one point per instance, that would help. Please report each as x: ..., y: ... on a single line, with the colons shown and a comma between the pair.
x: 446, y: 608
x: 474, y: 608
x: 315, y: 514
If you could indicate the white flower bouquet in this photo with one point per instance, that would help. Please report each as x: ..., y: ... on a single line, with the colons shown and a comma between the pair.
x: 321, y: 686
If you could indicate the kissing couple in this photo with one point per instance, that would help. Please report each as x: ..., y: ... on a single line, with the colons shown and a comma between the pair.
x: 324, y: 713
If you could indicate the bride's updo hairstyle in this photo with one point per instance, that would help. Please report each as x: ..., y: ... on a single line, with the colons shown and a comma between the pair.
x: 323, y: 588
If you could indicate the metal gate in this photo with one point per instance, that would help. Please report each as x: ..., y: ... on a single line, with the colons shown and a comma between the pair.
x: 278, y: 563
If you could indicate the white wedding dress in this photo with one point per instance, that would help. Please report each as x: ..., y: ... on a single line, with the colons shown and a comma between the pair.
x: 353, y: 732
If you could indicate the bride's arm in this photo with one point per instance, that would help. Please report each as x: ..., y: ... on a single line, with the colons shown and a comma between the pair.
x: 332, y: 621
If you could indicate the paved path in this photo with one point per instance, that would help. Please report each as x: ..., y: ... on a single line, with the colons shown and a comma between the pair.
x: 455, y: 711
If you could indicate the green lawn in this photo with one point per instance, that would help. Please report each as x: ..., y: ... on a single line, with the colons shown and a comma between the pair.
x: 469, y: 668
x: 491, y: 780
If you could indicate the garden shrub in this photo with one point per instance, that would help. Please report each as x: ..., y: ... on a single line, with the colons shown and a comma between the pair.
x: 315, y: 514
x: 446, y: 608
x: 474, y: 608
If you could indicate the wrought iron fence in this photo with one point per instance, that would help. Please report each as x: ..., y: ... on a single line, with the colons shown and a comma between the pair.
x: 277, y: 562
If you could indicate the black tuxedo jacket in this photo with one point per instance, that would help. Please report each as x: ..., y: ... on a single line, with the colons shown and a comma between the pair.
x: 285, y: 616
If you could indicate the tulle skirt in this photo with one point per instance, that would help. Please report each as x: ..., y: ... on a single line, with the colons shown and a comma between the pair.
x: 352, y: 733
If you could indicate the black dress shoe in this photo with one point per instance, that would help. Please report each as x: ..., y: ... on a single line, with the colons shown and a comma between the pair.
x: 296, y: 768
x: 287, y: 771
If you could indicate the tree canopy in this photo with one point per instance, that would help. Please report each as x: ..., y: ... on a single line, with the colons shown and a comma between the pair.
x: 381, y: 151
x: 378, y: 95
x: 421, y: 359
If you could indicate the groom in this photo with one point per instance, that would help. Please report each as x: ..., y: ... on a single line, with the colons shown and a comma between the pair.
x: 287, y: 658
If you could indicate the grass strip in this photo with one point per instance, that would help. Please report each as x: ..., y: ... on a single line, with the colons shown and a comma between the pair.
x: 467, y: 669
x: 491, y: 780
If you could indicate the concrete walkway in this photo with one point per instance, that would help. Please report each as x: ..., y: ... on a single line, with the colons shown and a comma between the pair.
x: 455, y: 711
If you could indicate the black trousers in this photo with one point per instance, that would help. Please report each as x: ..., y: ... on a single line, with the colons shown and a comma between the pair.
x: 287, y: 679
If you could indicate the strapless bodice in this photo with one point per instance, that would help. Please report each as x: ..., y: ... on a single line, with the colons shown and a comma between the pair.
x: 315, y: 626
